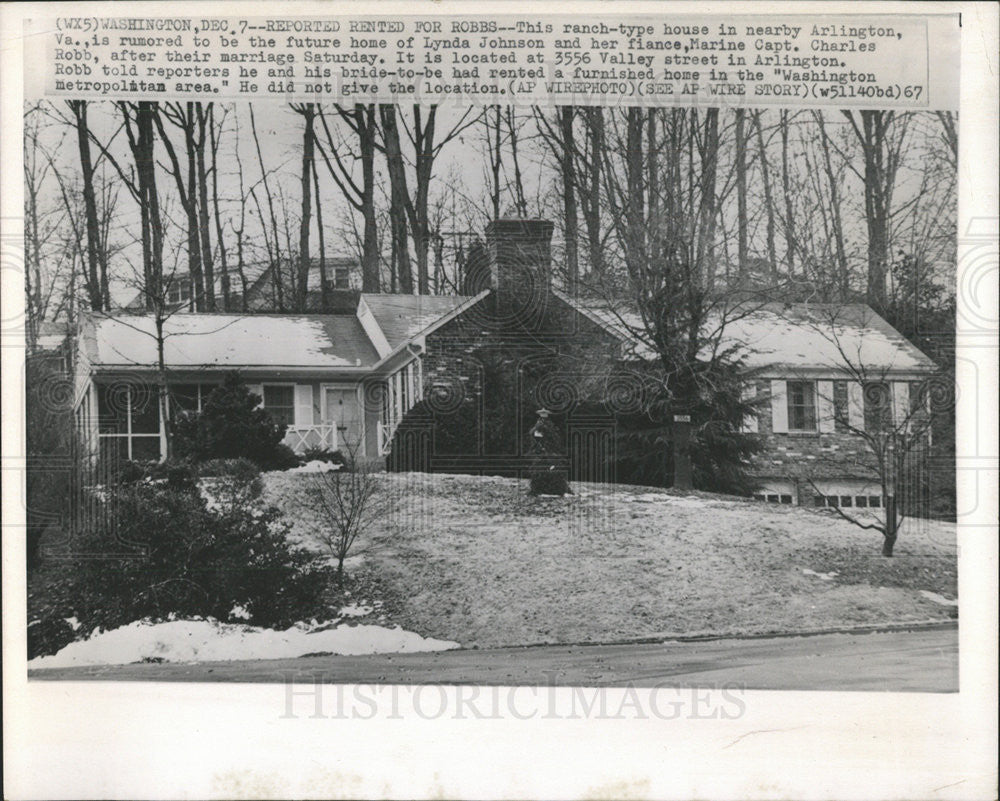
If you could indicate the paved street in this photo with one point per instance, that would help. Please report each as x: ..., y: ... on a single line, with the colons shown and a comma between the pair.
x: 922, y: 660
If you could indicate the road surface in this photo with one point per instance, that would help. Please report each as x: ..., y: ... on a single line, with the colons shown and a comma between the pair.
x: 921, y: 660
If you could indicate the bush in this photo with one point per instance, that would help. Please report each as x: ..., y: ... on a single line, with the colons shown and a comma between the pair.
x: 238, y: 468
x: 51, y: 450
x: 322, y: 455
x: 281, y: 458
x: 168, y: 552
x: 230, y: 426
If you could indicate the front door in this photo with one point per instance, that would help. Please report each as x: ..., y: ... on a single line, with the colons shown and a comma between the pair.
x: 340, y: 408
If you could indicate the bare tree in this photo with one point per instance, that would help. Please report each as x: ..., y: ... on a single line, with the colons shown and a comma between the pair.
x: 888, y: 415
x: 351, y: 499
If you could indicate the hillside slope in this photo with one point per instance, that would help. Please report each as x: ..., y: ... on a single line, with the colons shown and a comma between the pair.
x: 475, y: 560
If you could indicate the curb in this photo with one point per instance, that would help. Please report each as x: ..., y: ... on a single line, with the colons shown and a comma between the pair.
x: 667, y: 639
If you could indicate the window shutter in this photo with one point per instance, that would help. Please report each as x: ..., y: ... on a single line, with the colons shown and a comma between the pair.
x: 825, y: 409
x: 900, y: 402
x: 779, y: 407
x: 856, y: 405
x: 303, y: 405
x: 750, y: 423
x: 258, y: 390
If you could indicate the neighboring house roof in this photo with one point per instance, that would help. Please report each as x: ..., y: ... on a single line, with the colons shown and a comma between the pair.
x: 50, y: 334
x: 403, y: 317
x: 797, y: 336
x: 232, y: 341
x: 260, y: 283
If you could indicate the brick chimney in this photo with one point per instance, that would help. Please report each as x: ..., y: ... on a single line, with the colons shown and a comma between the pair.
x: 520, y: 254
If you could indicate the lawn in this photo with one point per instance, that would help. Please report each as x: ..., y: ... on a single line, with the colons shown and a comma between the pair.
x: 478, y: 561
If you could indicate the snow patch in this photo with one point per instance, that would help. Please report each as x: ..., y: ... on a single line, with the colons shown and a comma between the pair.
x: 673, y: 500
x: 73, y: 622
x: 211, y: 641
x: 824, y: 576
x: 355, y: 610
x: 315, y: 466
x: 938, y: 599
x: 239, y: 612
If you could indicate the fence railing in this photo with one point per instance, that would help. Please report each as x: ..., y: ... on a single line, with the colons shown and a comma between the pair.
x: 302, y: 438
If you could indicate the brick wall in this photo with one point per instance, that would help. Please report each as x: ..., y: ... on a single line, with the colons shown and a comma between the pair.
x: 840, y: 456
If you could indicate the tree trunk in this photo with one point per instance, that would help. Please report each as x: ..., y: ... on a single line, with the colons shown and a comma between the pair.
x: 709, y: 154
x: 635, y: 222
x: 772, y: 257
x: 741, y: 191
x: 842, y: 278
x: 570, y: 232
x: 419, y: 211
x: 308, y: 112
x: 370, y: 253
x: 399, y: 198
x: 223, y: 264
x: 324, y: 284
x: 203, y: 222
x: 891, y: 525
x: 786, y: 187
x: 591, y: 196
x: 93, y: 281
x: 146, y: 170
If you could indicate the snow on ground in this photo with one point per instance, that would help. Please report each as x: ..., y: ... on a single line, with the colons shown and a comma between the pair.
x: 825, y: 576
x: 938, y: 599
x: 315, y: 466
x: 477, y: 560
x: 356, y: 610
x: 211, y: 641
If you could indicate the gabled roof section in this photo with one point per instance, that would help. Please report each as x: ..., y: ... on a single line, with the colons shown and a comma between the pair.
x: 817, y: 335
x: 226, y: 341
x: 794, y: 336
x: 401, y: 318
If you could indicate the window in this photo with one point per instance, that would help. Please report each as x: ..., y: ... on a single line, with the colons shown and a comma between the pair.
x: 184, y: 399
x: 819, y: 500
x: 189, y: 399
x: 342, y: 278
x: 846, y: 500
x: 279, y: 401
x: 878, y: 406
x: 786, y: 499
x: 801, y: 406
x: 179, y: 290
x: 832, y: 500
x: 772, y: 498
x: 874, y: 501
x: 861, y: 501
x: 128, y: 420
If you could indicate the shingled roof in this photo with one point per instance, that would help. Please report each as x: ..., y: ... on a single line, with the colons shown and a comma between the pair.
x: 402, y: 317
x: 231, y: 341
x: 794, y: 336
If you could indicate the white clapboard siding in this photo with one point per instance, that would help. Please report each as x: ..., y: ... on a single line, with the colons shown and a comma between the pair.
x: 303, y: 405
x: 779, y: 407
x: 856, y: 405
x: 750, y: 422
x: 258, y: 390
x: 825, y: 407
x: 900, y: 402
